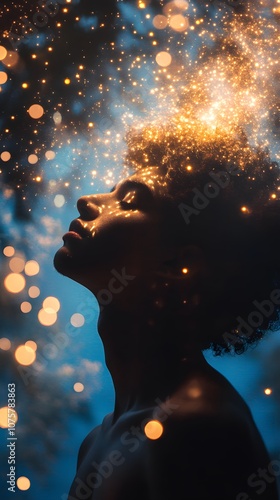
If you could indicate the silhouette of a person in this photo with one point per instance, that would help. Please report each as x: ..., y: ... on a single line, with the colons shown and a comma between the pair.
x: 179, y: 430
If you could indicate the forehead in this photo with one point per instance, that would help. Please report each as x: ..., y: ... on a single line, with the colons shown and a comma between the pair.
x: 153, y: 177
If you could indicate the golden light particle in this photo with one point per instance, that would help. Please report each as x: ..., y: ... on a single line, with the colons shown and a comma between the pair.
x: 5, y: 344
x: 274, y: 196
x: 178, y: 23
x: 34, y: 292
x: 153, y: 429
x: 141, y: 5
x: 3, y: 52
x: 14, y: 283
x: 23, y: 483
x: 78, y: 387
x: 244, y: 209
x: 9, y: 251
x: 185, y: 270
x: 31, y: 268
x: 35, y: 111
x: 268, y: 391
x: 5, y: 414
x: 189, y: 168
x: 17, y: 264
x: 163, y: 59
x: 50, y: 155
x: 25, y: 355
x: 25, y: 85
x: 77, y: 320
x: 47, y: 317
x: 25, y: 307
x: 160, y: 22
x: 91, y: 124
x: 32, y: 159
x: 31, y: 344
x: 3, y: 77
x: 67, y: 81
x: 51, y: 303
x: 11, y: 59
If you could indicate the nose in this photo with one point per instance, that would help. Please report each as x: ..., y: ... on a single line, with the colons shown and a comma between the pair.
x: 88, y: 207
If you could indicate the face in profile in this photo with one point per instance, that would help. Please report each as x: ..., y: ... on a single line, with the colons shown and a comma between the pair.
x: 116, y: 230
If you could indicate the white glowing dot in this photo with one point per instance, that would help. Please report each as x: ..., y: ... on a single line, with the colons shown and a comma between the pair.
x: 59, y: 200
x: 14, y: 283
x: 47, y: 317
x: 77, y: 320
x: 34, y: 292
x: 31, y: 268
x: 25, y: 307
x: 163, y: 59
x: 3, y: 77
x: 78, y: 387
x: 5, y: 414
x: 9, y: 251
x: 25, y: 355
x: 36, y: 111
x: 50, y: 155
x: 32, y: 159
x: 23, y: 483
x: 5, y: 344
x: 31, y: 344
x: 57, y: 118
x: 51, y: 303
x: 185, y: 270
x: 268, y: 391
x: 153, y: 429
x: 5, y: 156
x: 17, y: 264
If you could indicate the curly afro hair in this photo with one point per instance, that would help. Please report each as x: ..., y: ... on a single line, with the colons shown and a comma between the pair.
x: 225, y: 197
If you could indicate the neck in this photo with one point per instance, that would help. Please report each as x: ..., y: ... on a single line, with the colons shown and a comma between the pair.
x: 144, y: 357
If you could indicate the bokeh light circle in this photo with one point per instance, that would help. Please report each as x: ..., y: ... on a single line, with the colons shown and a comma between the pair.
x: 5, y: 156
x: 163, y: 59
x: 25, y: 355
x: 3, y: 77
x: 36, y: 111
x: 5, y: 414
x: 31, y: 268
x: 14, y: 283
x: 51, y: 303
x: 77, y: 320
x: 153, y: 429
x: 47, y: 317
x: 23, y: 483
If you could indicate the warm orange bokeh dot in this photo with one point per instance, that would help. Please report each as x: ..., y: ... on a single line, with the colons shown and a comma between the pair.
x: 25, y: 307
x: 268, y: 391
x: 50, y: 155
x: 47, y: 317
x: 36, y: 111
x: 34, y: 292
x: 23, y: 483
x: 78, y: 387
x: 31, y: 268
x: 51, y: 303
x: 153, y: 429
x: 3, y: 52
x: 9, y: 251
x: 32, y: 159
x: 31, y: 344
x: 5, y: 414
x: 17, y: 264
x: 5, y: 344
x: 163, y: 59
x: 160, y: 22
x: 14, y: 283
x: 5, y: 156
x: 3, y: 77
x: 178, y: 23
x: 25, y: 355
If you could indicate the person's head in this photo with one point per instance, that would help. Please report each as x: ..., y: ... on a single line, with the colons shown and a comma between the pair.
x: 198, y: 231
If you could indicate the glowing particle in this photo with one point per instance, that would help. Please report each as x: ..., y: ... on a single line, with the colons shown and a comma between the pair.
x: 47, y: 317
x: 32, y: 159
x: 11, y: 59
x: 36, y: 111
x: 31, y: 268
x: 31, y: 344
x: 5, y: 344
x: 59, y: 200
x: 3, y: 53
x: 25, y: 85
x: 23, y: 483
x: 50, y: 155
x: 274, y: 196
x: 57, y: 118
x: 17, y: 264
x: 51, y: 303
x: 185, y: 270
x: 78, y: 387
x: 160, y: 22
x: 189, y: 168
x: 25, y: 307
x: 5, y: 156
x: 25, y: 355
x: 178, y: 23
x: 141, y: 5
x: 3, y: 77
x: 6, y: 413
x: 244, y: 210
x: 34, y: 292
x: 163, y: 59
x: 268, y: 391
x: 153, y: 429
x: 67, y: 81
x: 91, y: 124
x: 77, y: 320
x: 14, y: 283
x: 9, y: 251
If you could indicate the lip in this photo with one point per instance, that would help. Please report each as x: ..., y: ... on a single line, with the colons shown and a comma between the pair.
x: 71, y: 234
x: 77, y: 228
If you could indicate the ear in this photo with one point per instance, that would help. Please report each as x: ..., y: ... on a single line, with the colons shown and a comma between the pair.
x: 183, y: 262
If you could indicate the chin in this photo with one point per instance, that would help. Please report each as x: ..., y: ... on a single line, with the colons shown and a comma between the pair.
x: 63, y: 261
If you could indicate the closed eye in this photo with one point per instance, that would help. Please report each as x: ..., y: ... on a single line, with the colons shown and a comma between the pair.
x: 130, y: 202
